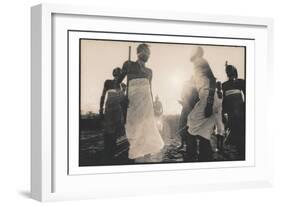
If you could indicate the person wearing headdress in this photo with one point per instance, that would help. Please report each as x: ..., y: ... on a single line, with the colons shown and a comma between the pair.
x: 111, y: 113
x: 234, y: 106
x: 201, y: 119
x: 141, y: 128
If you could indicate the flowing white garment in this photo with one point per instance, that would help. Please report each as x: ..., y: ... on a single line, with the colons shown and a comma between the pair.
x: 141, y: 128
x: 197, y: 123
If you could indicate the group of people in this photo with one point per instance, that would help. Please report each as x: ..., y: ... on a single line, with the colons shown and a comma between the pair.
x: 206, y: 105
x: 209, y: 108
x: 133, y: 110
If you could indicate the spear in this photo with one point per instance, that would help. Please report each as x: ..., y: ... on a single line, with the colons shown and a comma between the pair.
x: 129, y: 53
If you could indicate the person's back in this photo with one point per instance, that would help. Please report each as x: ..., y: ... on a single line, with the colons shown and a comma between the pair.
x: 202, y: 76
x: 233, y: 91
x: 234, y: 107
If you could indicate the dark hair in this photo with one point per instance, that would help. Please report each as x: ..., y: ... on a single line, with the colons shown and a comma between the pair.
x: 142, y: 47
x: 235, y: 73
x: 231, y: 71
x: 116, y: 71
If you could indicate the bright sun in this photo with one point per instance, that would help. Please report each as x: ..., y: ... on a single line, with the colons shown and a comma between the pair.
x: 177, y: 82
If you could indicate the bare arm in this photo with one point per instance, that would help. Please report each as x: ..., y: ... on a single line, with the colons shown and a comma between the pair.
x: 210, y: 98
x: 212, y: 83
x: 150, y: 81
x: 103, y: 97
x: 124, y: 72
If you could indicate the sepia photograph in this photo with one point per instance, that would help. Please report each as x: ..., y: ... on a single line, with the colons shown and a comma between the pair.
x: 123, y: 100
x: 158, y: 103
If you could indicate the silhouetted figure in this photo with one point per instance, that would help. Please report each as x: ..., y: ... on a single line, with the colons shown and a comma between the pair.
x: 158, y: 113
x: 157, y: 105
x: 112, y: 115
x: 234, y: 107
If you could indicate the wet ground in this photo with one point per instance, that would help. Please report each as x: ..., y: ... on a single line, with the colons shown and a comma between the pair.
x: 92, y: 152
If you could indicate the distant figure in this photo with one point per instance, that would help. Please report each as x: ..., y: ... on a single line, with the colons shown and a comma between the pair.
x: 189, y: 97
x: 141, y: 128
x: 158, y: 112
x: 218, y: 118
x: 234, y: 107
x: 157, y: 105
x: 201, y: 119
x: 113, y: 119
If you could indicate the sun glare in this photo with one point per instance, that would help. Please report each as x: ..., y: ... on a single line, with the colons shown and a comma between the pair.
x: 177, y: 81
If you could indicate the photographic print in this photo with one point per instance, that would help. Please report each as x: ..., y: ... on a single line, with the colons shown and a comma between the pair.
x: 143, y: 102
x: 121, y: 100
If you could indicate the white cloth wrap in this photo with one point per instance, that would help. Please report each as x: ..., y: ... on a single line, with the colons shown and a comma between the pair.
x: 141, y: 128
x: 232, y: 91
x: 197, y: 123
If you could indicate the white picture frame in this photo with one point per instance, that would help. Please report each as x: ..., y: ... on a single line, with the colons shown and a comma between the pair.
x: 51, y: 177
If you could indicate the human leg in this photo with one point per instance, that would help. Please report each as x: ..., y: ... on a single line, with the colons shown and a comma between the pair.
x: 220, y: 142
x: 205, y: 150
x: 191, y: 153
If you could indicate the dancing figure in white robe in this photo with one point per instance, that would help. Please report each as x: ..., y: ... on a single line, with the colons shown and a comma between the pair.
x: 198, y: 123
x: 141, y: 128
x: 202, y: 118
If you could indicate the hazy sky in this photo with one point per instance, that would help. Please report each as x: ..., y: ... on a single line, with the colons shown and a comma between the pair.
x: 170, y: 64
